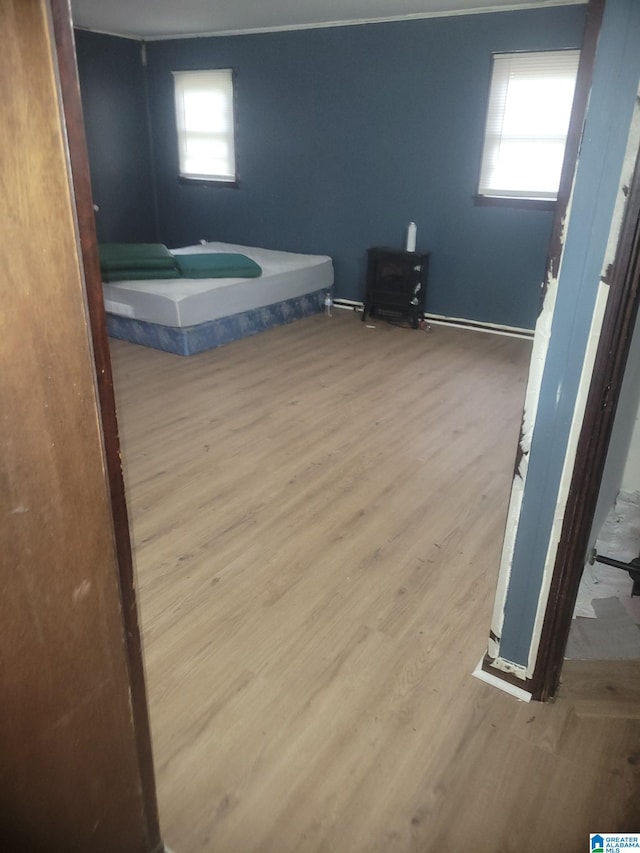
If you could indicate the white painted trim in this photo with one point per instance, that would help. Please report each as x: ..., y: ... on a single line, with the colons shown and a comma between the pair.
x: 536, y: 369
x: 626, y: 176
x: 541, y: 338
x: 506, y: 558
x: 443, y: 320
x: 532, y: 394
x: 480, y: 326
x: 494, y: 681
x: 631, y: 155
x: 628, y: 168
x: 350, y: 304
x: 141, y: 39
x: 568, y: 467
x: 418, y: 16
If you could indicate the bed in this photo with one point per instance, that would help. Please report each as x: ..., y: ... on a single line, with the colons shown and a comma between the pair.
x: 190, y: 315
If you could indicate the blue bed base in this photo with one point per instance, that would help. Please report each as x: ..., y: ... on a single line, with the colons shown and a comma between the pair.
x: 214, y: 333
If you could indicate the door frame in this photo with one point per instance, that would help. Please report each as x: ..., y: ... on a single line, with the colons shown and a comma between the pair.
x: 623, y: 279
x: 68, y: 81
x: 593, y: 23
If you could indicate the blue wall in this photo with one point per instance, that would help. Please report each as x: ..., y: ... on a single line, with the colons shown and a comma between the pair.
x: 115, y: 115
x: 612, y: 100
x: 344, y: 136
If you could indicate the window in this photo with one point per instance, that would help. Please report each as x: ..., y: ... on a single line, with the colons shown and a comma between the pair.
x: 527, y: 122
x: 205, y: 124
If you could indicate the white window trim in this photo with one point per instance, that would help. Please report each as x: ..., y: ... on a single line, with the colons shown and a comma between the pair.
x: 508, y: 67
x: 221, y: 82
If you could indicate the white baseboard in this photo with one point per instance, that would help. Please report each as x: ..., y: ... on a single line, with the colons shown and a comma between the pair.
x: 444, y: 320
x: 477, y: 325
x: 349, y: 304
x: 494, y: 681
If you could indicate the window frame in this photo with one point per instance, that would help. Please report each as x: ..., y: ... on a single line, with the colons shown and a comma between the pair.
x: 519, y: 198
x: 204, y: 180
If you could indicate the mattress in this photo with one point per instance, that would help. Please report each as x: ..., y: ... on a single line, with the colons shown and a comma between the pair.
x: 188, y: 302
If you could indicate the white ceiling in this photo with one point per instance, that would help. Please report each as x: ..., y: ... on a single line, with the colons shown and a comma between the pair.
x: 150, y: 19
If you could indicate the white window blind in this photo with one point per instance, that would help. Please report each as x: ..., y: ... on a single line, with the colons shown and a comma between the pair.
x: 205, y: 124
x: 527, y: 122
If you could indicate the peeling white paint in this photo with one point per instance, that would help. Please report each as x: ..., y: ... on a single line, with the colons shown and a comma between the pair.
x: 504, y: 576
x: 542, y: 337
x: 568, y: 467
x: 494, y: 681
x: 541, y: 340
x: 538, y: 360
x: 510, y: 667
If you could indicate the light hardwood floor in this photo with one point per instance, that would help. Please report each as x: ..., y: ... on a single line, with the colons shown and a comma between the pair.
x: 317, y: 515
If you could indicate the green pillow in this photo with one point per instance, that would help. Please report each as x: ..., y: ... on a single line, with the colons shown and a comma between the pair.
x: 130, y: 256
x: 217, y: 265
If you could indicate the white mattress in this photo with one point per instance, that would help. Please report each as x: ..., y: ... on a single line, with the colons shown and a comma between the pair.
x: 187, y: 302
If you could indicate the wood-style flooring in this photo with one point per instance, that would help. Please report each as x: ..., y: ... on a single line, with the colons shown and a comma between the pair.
x: 317, y: 516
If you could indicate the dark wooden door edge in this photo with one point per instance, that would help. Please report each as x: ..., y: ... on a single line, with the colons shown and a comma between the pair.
x: 602, y: 400
x: 78, y: 157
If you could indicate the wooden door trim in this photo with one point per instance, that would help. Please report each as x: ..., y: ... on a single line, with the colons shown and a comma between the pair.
x: 623, y: 279
x: 593, y: 23
x: 79, y: 163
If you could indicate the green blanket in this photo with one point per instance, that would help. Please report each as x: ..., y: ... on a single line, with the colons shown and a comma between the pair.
x: 217, y: 265
x: 136, y: 256
x: 140, y: 261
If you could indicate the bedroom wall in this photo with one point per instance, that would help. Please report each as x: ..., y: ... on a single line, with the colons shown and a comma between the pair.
x: 115, y: 113
x: 346, y: 134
